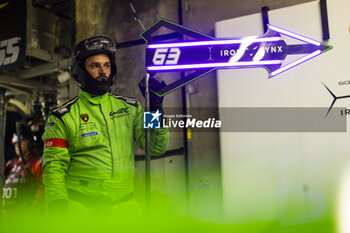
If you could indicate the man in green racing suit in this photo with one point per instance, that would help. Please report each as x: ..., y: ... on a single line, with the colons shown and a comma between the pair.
x: 89, y: 141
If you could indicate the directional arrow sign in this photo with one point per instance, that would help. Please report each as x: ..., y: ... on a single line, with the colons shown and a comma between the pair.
x: 205, y: 54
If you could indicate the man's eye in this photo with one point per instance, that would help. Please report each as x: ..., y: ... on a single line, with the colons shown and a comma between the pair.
x: 93, y: 66
x: 107, y: 65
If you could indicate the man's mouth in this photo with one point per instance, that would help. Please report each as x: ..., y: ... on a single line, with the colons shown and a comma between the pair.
x: 101, y: 78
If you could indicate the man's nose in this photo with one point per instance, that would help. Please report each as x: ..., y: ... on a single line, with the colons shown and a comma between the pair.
x: 102, y: 70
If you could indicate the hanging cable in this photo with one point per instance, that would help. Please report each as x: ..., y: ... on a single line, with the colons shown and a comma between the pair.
x: 138, y: 19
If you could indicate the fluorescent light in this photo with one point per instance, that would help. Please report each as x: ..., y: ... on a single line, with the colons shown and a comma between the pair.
x: 214, y: 65
x: 213, y: 42
x: 295, y: 63
x: 294, y: 35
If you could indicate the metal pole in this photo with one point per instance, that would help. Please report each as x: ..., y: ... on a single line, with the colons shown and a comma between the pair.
x: 185, y: 111
x: 148, y: 148
x: 2, y: 139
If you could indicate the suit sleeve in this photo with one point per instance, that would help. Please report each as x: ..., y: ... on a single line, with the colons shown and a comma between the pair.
x: 159, y: 137
x: 56, y: 159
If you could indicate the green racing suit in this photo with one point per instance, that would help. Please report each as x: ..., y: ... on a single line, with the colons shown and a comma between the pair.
x: 89, y: 146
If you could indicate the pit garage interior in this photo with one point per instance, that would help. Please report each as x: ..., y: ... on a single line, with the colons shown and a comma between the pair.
x: 288, y: 177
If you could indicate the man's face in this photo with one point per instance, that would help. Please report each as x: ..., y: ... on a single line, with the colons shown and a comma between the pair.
x: 24, y: 148
x: 98, y: 66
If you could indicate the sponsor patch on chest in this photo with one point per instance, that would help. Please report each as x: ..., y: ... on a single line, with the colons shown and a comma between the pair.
x: 120, y: 112
x: 50, y: 124
x: 87, y: 126
x: 84, y: 135
x: 84, y: 117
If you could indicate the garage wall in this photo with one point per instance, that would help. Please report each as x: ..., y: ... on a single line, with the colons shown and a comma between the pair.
x: 288, y: 178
